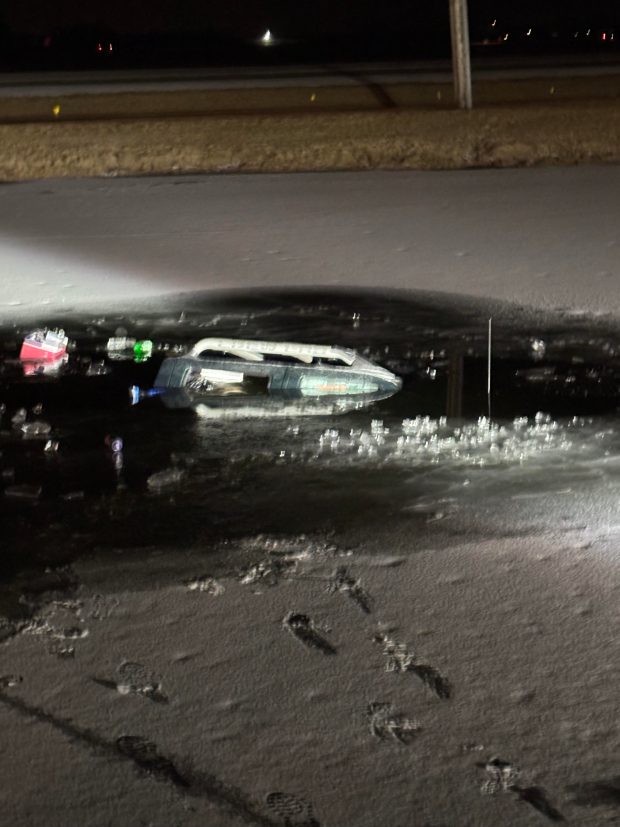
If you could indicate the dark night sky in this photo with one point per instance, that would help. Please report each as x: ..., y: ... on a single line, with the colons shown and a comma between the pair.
x: 248, y: 18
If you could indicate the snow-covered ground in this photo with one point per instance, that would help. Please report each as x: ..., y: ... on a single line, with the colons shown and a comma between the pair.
x: 157, y: 695
x: 365, y: 678
x: 546, y: 237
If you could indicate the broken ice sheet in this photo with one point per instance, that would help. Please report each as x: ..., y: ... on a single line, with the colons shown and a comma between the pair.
x: 424, y: 440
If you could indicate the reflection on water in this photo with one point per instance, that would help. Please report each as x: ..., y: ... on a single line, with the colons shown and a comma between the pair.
x: 238, y: 403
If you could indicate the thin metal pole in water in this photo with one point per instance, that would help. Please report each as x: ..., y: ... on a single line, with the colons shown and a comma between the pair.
x: 489, y: 370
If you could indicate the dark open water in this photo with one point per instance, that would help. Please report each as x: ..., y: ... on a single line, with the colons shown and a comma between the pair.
x: 420, y: 459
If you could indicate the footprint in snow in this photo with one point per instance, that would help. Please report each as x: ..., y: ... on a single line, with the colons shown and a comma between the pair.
x: 135, y: 679
x: 302, y: 628
x: 385, y: 723
x: 293, y: 811
x: 501, y: 777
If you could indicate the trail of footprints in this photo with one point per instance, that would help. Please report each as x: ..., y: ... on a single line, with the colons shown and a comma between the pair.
x: 398, y: 657
x: 385, y: 723
x: 149, y: 761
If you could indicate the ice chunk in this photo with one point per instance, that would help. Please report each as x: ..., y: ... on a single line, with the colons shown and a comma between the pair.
x: 19, y: 417
x: 23, y: 492
x: 165, y: 478
x: 36, y: 428
x: 98, y: 368
x: 120, y: 347
x: 537, y: 348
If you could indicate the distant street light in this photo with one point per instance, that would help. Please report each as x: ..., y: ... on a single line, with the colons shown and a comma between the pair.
x: 461, y: 60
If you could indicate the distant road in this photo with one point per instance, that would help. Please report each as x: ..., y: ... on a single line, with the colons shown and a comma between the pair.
x: 181, y: 93
x: 35, y: 84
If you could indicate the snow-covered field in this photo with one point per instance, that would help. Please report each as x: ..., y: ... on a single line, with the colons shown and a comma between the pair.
x: 364, y: 688
x: 546, y: 237
x: 361, y: 678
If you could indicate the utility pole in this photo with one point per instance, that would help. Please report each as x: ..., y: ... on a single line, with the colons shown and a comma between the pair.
x: 461, y: 63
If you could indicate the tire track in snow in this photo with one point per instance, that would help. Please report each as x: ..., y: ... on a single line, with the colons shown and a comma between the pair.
x: 146, y: 758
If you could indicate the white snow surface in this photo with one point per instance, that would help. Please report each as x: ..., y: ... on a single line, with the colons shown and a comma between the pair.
x: 526, y: 631
x: 246, y: 723
x: 543, y: 237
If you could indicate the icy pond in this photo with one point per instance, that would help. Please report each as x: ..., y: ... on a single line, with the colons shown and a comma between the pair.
x: 103, y: 495
x: 429, y: 454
